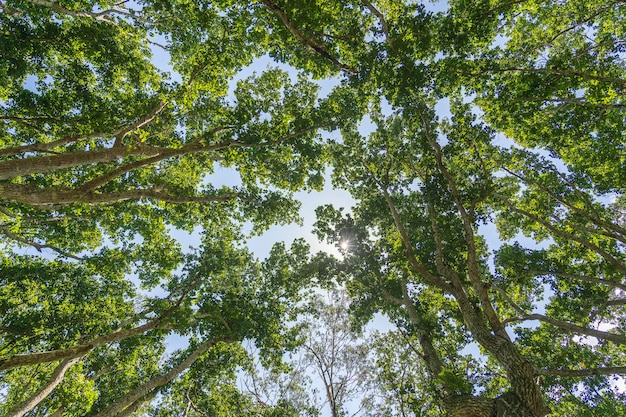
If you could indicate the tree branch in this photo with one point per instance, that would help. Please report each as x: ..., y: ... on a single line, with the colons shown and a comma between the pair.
x: 55, y: 379
x: 34, y: 196
x: 596, y: 13
x: 613, y: 370
x: 121, y: 133
x: 573, y: 276
x: 102, y: 15
x: 39, y: 246
x: 574, y: 328
x: 81, y: 350
x: 47, y: 146
x: 62, y: 10
x: 563, y: 234
x: 406, y: 240
x: 306, y: 41
x: 381, y: 19
x: 430, y: 355
x: 131, y: 409
x: 45, y: 164
x: 618, y: 232
x: 467, y: 218
x: 127, y: 400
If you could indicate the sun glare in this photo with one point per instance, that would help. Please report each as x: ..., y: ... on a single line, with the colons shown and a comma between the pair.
x: 345, y: 245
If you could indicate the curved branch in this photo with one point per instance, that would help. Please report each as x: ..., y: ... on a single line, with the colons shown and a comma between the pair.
x: 612, y: 370
x: 582, y: 22
x: 120, y: 134
x: 558, y: 323
x: 406, y: 240
x: 381, y: 19
x: 9, y: 11
x: 306, y: 41
x: 574, y: 328
x: 618, y: 233
x: 561, y: 233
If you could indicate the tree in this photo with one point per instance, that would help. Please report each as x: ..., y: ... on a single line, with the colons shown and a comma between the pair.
x: 103, y: 152
x: 333, y: 350
x: 423, y: 189
x: 120, y: 364
x: 99, y: 143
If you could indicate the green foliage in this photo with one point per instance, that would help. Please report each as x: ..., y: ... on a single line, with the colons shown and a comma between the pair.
x: 457, y: 122
x: 38, y: 298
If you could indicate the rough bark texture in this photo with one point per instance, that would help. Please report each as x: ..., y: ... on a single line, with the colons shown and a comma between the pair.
x: 45, y: 164
x: 506, y: 405
x: 469, y: 406
x: 28, y: 359
x: 509, y: 405
x: 34, y: 196
x: 520, y: 373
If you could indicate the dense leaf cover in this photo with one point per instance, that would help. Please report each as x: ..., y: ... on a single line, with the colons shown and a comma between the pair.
x: 489, y: 223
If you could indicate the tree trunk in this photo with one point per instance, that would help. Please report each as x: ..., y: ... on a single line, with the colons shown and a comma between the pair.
x: 34, y: 196
x: 469, y: 406
x: 506, y: 405
x: 519, y: 371
x: 44, y: 164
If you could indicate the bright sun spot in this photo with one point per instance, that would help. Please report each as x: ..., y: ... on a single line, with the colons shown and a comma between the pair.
x: 345, y: 244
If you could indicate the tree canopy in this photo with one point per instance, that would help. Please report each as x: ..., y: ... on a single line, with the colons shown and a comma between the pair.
x: 482, y: 143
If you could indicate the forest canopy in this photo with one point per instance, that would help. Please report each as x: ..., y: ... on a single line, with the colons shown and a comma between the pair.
x: 483, y: 143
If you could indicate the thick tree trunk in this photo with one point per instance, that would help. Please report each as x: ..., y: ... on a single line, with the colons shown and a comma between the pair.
x: 524, y: 401
x: 520, y: 373
x: 469, y: 406
x: 506, y: 405
x: 33, y: 196
x: 45, y: 164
